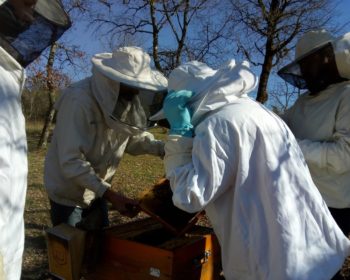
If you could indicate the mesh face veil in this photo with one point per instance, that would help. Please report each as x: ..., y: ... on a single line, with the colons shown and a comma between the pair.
x: 25, y: 41
x: 134, y: 106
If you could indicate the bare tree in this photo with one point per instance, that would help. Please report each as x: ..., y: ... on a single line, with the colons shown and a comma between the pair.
x: 53, y: 81
x: 38, y: 86
x: 269, y: 28
x: 59, y: 54
x: 262, y: 31
x: 174, y: 31
x: 282, y: 95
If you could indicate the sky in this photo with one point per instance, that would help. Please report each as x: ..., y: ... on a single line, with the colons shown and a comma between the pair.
x: 344, y: 14
x: 86, y: 39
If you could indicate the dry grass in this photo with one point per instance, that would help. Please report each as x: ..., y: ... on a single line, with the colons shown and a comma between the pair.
x: 135, y: 174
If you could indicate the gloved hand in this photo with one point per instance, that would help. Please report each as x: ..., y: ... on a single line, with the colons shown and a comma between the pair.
x: 177, y: 113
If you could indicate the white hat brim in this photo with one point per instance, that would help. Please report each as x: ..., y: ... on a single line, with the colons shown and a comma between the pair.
x: 157, y: 116
x: 154, y: 81
x: 192, y: 76
x: 53, y: 11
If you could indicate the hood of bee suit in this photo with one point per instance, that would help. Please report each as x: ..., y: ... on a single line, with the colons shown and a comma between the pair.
x: 127, y: 89
x: 106, y: 92
x: 226, y: 84
x: 213, y: 88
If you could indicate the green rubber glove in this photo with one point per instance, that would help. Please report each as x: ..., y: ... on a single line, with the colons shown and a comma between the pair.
x: 177, y: 113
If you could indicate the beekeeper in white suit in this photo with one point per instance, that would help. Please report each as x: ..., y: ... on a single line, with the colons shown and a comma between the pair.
x: 232, y: 157
x: 20, y: 43
x: 98, y: 119
x: 320, y: 117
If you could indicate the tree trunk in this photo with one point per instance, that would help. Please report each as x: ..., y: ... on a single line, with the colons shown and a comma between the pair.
x: 50, y: 86
x: 45, y: 133
x: 262, y: 94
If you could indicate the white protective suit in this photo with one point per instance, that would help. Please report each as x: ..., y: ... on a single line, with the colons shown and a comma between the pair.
x: 245, y: 169
x: 13, y: 167
x: 321, y: 124
x: 85, y: 151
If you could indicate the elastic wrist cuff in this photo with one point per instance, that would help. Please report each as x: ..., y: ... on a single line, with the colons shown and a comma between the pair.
x: 183, y: 132
x: 102, y: 188
x: 186, y: 130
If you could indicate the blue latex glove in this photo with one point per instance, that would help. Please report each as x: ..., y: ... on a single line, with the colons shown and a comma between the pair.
x: 177, y: 113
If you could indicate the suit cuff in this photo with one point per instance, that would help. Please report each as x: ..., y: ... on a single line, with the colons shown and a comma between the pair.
x: 178, y: 152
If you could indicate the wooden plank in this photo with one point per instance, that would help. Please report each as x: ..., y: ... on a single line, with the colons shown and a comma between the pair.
x: 139, y: 260
x: 157, y: 202
x: 200, y: 260
x: 132, y: 228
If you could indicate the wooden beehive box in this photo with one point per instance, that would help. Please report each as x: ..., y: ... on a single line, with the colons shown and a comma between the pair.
x: 145, y: 250
x: 65, y: 246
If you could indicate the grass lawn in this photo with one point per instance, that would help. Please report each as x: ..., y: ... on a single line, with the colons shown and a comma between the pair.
x: 135, y: 174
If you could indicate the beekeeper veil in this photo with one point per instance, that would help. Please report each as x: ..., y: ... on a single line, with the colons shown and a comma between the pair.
x: 320, y: 60
x: 25, y: 37
x: 127, y: 89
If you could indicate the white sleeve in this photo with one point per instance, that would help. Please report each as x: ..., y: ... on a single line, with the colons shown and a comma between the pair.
x: 2, y: 272
x: 74, y: 133
x: 334, y: 154
x: 178, y: 152
x: 198, y: 178
x: 145, y: 144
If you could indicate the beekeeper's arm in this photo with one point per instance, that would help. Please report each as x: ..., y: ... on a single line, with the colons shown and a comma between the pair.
x: 75, y: 132
x: 335, y: 153
x: 198, y: 168
x: 145, y: 143
x: 181, y: 129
